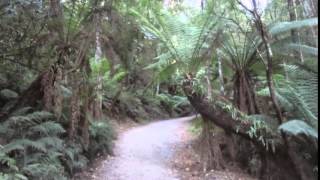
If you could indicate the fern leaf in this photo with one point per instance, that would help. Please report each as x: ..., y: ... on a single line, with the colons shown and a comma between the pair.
x: 304, y: 48
x: 49, y: 128
x: 296, y: 127
x: 22, y: 144
x: 282, y: 27
x: 52, y: 142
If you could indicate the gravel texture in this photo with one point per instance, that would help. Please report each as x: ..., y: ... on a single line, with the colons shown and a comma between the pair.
x: 144, y: 153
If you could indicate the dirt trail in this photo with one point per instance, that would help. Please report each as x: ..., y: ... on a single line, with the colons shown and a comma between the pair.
x: 143, y: 153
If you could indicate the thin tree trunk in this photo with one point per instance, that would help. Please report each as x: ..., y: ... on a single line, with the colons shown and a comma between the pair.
x: 158, y: 88
x: 293, y: 16
x: 208, y: 75
x: 220, y: 76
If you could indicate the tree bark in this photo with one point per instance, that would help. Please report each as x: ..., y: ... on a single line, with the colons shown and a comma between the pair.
x: 208, y: 79
x: 220, y: 76
x: 97, y: 104
x: 277, y: 162
x: 244, y: 95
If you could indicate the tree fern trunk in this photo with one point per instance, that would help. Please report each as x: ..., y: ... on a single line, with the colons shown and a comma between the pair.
x: 74, y: 109
x: 244, y: 94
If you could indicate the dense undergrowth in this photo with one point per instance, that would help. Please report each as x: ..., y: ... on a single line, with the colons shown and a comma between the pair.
x: 37, y: 144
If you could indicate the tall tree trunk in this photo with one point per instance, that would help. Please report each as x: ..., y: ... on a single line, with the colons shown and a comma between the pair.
x: 97, y: 104
x: 208, y: 79
x: 293, y: 16
x: 220, y: 76
x: 74, y: 108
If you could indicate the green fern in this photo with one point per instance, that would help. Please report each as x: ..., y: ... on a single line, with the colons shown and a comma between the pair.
x: 282, y: 27
x: 28, y: 120
x: 22, y: 144
x: 173, y: 101
x: 12, y: 176
x: 48, y: 128
x: 73, y: 158
x: 298, y: 127
x: 101, y: 137
x: 182, y: 40
x: 45, y: 171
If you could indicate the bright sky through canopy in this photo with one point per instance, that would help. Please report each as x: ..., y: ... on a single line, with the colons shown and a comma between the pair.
x: 261, y: 4
x: 193, y: 3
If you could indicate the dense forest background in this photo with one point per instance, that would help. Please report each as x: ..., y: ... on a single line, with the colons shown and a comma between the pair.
x: 249, y: 68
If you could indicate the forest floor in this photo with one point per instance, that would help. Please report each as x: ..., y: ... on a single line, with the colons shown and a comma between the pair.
x: 160, y: 150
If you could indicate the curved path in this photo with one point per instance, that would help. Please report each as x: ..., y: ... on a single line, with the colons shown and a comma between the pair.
x: 143, y: 153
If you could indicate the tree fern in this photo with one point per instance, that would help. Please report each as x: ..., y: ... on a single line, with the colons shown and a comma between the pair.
x: 181, y: 39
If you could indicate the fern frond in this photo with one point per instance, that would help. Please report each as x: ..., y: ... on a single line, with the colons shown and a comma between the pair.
x: 297, y: 127
x: 5, y: 160
x: 21, y: 111
x: 10, y: 176
x: 304, y: 48
x: 52, y: 142
x: 29, y: 120
x: 22, y: 144
x: 305, y: 92
x: 282, y: 27
x: 281, y: 95
x: 49, y: 128
x: 45, y: 171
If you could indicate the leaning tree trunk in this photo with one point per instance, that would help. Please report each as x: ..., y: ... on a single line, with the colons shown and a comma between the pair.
x: 277, y: 162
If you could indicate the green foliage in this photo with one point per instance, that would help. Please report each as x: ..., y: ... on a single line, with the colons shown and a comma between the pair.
x: 35, y: 149
x: 196, y: 126
x: 33, y: 139
x: 73, y: 158
x: 298, y: 127
x: 283, y: 27
x: 172, y: 101
x: 183, y: 42
x: 173, y: 44
x: 8, y: 94
x: 101, y: 138
x: 99, y: 66
x: 298, y: 95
